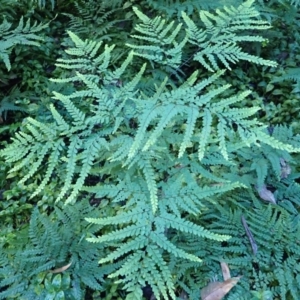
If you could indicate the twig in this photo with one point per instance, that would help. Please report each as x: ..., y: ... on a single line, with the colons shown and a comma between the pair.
x: 250, y: 236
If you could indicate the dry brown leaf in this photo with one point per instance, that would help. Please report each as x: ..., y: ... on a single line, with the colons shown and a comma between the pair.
x: 217, y: 290
x: 225, y: 270
x: 59, y: 270
x: 285, y: 169
x: 266, y: 194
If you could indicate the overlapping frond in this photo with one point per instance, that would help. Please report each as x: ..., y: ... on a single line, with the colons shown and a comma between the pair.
x: 155, y: 159
x: 24, y: 33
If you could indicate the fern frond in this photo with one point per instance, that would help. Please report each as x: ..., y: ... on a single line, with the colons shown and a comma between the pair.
x: 77, y: 115
x: 221, y: 137
x: 227, y: 53
x: 167, y: 113
x: 269, y: 140
x: 6, y: 104
x: 105, y: 16
x: 151, y: 183
x: 162, y: 46
x: 53, y: 158
x: 204, y: 135
x: 75, y: 144
x: 221, y: 35
x: 91, y: 149
x: 42, y: 153
x: 192, y: 113
x: 23, y: 34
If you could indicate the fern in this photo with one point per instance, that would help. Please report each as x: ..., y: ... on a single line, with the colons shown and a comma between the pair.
x: 98, y: 19
x: 291, y: 74
x: 158, y: 35
x: 273, y: 232
x: 54, y: 138
x: 220, y: 37
x: 42, y: 3
x: 176, y: 7
x: 23, y: 34
x: 51, y: 245
x: 146, y: 231
x: 173, y: 164
x: 7, y: 105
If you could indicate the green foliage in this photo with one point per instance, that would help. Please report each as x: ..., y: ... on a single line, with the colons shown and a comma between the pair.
x: 51, y: 245
x: 279, y: 95
x: 139, y: 169
x: 42, y: 3
x: 105, y: 19
x: 275, y: 232
x: 295, y: 3
x: 219, y: 39
x: 7, y: 104
x: 23, y: 34
x: 176, y: 7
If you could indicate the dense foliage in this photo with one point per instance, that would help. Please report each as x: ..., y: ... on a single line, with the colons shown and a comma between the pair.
x: 143, y: 143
